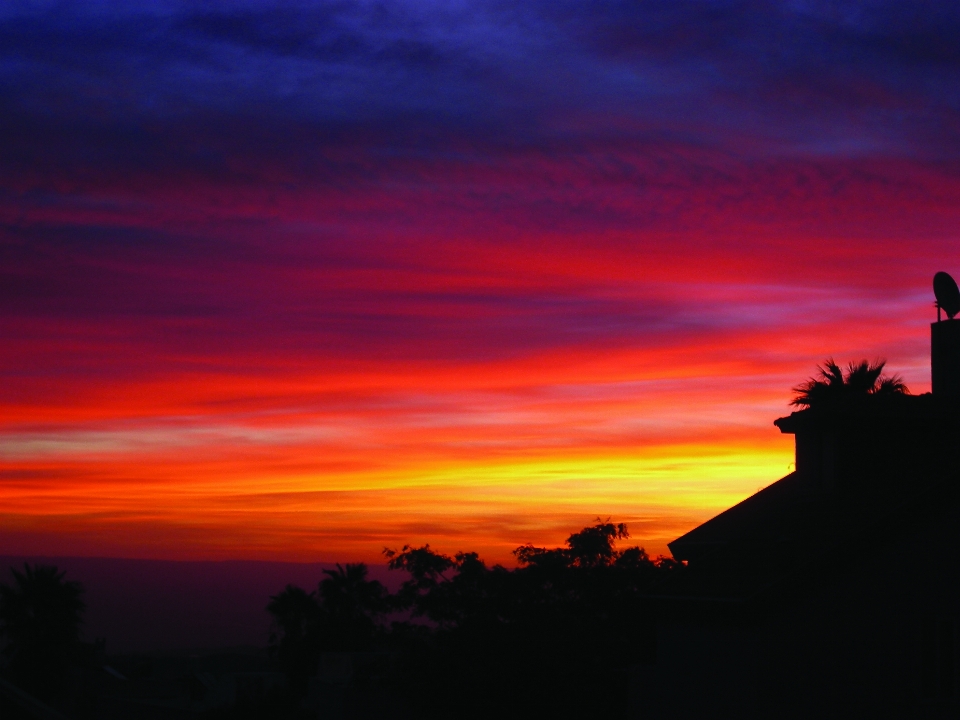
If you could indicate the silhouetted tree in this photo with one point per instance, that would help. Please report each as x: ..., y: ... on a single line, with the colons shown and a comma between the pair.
x: 568, y: 617
x: 295, y: 634
x: 426, y: 569
x: 482, y: 640
x: 832, y: 386
x: 591, y: 547
x: 40, y: 618
x: 340, y: 616
x: 349, y: 607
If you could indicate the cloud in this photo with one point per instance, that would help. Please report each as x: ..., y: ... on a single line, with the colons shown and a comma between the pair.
x: 192, y: 87
x: 488, y: 239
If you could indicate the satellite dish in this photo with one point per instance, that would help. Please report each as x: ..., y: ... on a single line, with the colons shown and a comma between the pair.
x: 948, y: 295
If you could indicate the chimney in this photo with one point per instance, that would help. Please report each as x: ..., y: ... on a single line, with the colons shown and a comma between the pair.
x: 945, y: 359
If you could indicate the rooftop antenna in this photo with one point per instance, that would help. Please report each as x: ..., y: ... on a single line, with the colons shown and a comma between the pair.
x: 948, y: 295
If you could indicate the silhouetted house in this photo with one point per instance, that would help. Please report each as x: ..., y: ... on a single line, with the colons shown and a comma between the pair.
x: 835, y: 591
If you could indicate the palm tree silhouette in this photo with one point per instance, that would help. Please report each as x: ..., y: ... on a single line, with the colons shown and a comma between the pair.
x: 40, y: 617
x: 294, y: 614
x: 349, y: 607
x: 832, y: 385
x: 294, y: 634
x: 347, y: 594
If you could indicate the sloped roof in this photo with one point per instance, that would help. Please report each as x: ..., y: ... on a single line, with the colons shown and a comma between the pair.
x: 774, y: 512
x: 902, y: 469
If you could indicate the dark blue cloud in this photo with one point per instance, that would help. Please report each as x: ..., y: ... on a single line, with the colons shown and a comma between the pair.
x: 808, y: 76
x: 648, y: 99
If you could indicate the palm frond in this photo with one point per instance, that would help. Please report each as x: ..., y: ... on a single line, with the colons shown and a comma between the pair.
x: 862, y: 377
x: 892, y: 385
x: 832, y: 385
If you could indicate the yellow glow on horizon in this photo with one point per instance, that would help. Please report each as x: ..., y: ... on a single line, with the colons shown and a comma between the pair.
x: 233, y: 511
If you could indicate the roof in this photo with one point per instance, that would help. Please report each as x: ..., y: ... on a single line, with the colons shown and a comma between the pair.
x: 872, y: 409
x: 777, y: 511
x: 900, y: 465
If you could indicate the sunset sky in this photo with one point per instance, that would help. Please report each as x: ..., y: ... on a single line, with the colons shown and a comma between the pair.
x: 301, y: 281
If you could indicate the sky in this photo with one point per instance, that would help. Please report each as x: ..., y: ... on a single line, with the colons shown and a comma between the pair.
x: 301, y: 281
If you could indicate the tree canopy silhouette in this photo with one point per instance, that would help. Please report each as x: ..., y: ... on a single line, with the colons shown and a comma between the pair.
x: 591, y: 547
x: 572, y: 616
x: 832, y: 385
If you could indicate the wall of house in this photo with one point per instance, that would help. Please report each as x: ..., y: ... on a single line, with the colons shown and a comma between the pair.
x: 860, y: 458
x: 879, y: 640
x: 945, y: 359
